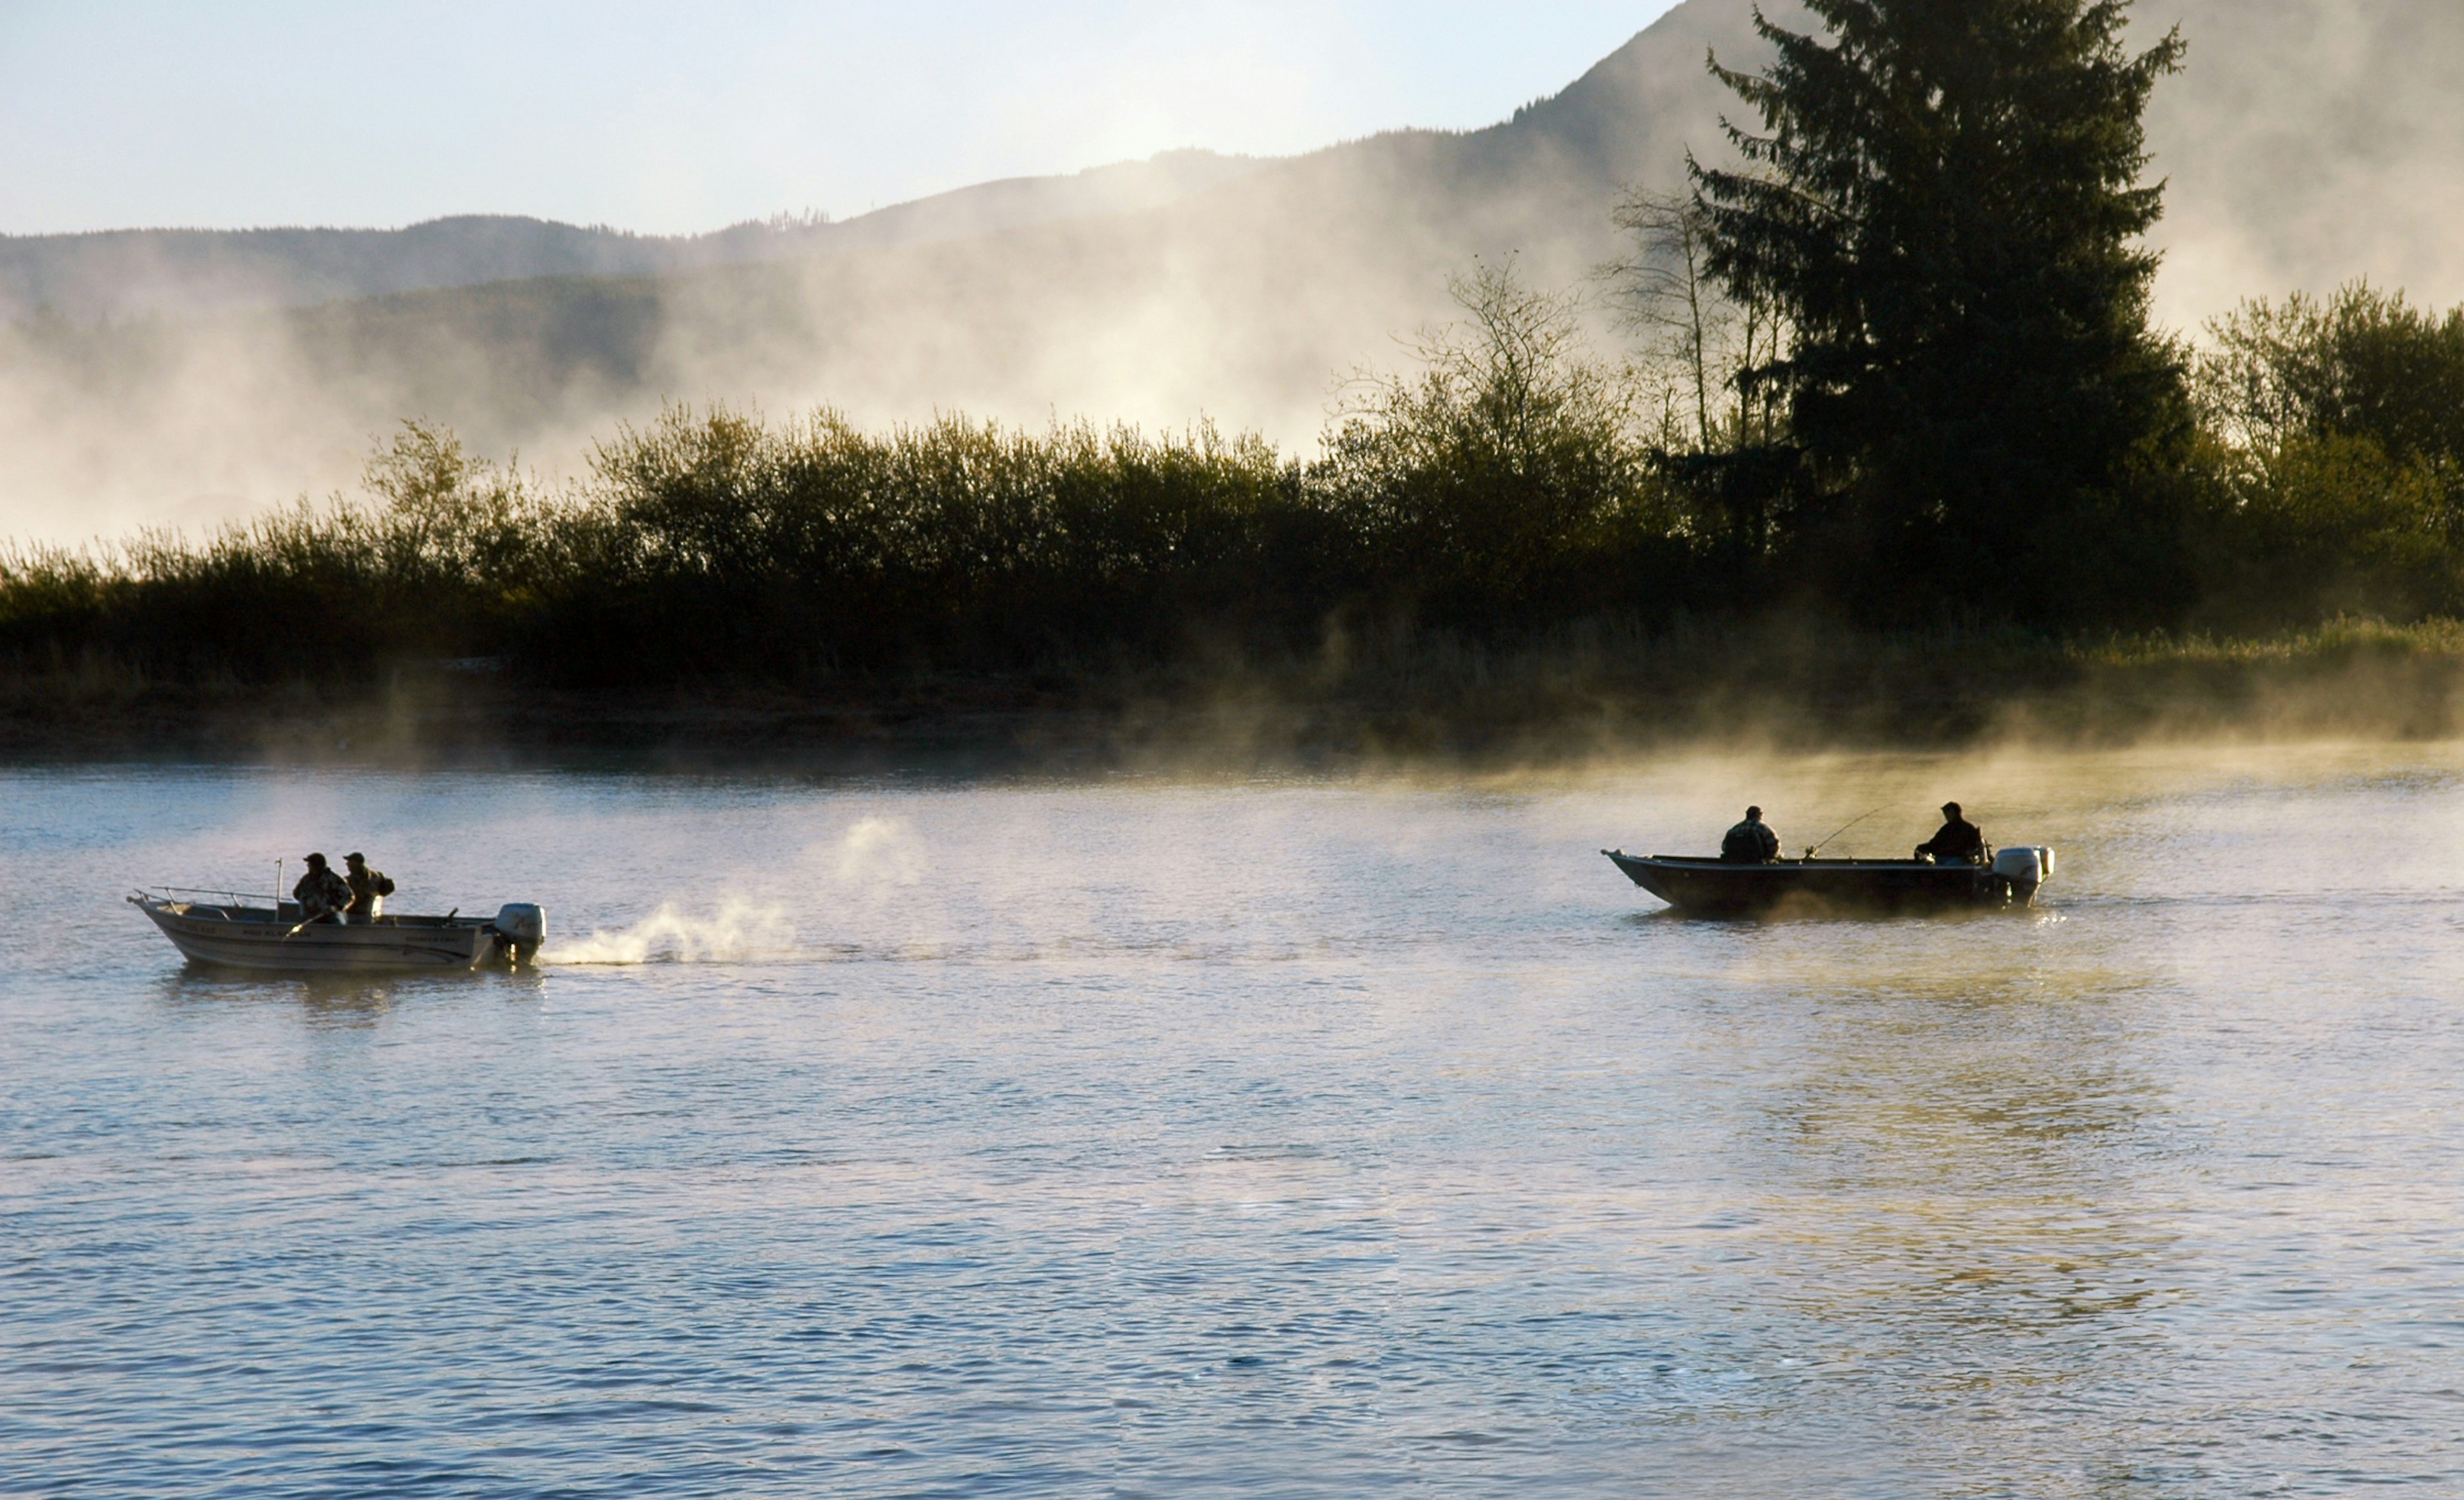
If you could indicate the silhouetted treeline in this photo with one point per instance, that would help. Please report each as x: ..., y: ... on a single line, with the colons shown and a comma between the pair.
x: 1507, y: 485
x: 1501, y: 486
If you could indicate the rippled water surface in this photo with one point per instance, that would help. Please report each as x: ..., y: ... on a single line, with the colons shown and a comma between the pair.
x: 1183, y: 1137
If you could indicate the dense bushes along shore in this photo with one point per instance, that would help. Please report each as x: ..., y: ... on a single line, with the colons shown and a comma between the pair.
x: 1509, y: 484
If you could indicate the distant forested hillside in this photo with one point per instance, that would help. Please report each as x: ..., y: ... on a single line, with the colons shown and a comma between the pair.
x: 121, y: 274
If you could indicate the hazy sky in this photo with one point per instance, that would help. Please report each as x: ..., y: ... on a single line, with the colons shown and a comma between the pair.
x: 673, y: 117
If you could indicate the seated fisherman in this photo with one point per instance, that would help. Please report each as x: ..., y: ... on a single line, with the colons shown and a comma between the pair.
x: 1959, y: 842
x: 323, y: 895
x: 369, y: 889
x: 1750, y: 842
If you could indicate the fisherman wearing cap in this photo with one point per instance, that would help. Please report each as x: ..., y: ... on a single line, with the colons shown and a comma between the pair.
x: 323, y: 895
x: 369, y: 889
x: 1959, y: 842
x: 1750, y: 842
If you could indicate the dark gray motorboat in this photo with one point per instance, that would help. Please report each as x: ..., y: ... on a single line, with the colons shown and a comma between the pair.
x: 1718, y: 887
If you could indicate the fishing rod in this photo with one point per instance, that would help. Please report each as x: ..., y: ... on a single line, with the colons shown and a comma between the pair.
x: 1843, y: 829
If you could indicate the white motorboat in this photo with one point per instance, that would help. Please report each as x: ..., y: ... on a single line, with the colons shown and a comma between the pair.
x: 233, y: 932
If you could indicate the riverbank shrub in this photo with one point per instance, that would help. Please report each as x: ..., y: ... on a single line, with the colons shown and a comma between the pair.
x: 2333, y: 459
x: 711, y: 542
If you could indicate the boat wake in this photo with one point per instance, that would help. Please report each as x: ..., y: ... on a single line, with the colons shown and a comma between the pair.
x: 741, y: 930
x: 871, y: 861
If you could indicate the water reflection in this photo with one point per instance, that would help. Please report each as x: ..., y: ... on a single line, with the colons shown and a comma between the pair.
x: 1956, y: 1158
x: 338, y: 999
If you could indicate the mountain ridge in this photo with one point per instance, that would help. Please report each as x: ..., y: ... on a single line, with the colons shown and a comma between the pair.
x: 106, y: 274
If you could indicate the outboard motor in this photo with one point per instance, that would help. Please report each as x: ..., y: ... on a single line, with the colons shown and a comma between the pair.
x: 2021, y: 871
x: 521, y: 928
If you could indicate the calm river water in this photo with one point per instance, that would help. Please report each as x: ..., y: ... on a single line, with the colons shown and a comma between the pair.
x: 1183, y: 1137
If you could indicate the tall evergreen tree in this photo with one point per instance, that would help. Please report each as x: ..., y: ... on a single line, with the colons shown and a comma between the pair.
x: 1944, y: 199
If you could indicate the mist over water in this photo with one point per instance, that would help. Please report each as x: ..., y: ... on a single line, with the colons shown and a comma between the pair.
x: 1305, y: 1136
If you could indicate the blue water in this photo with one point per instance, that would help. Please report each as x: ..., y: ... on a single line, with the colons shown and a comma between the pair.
x: 1180, y: 1137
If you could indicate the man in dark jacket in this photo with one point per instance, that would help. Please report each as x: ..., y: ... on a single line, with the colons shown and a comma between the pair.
x: 1959, y: 842
x: 323, y: 895
x: 368, y: 887
x: 1750, y: 842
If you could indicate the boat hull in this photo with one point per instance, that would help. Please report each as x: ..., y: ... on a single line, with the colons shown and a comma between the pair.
x: 1710, y: 886
x: 265, y: 940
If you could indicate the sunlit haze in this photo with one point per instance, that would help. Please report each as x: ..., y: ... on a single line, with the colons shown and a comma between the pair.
x: 186, y: 380
x: 674, y: 119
